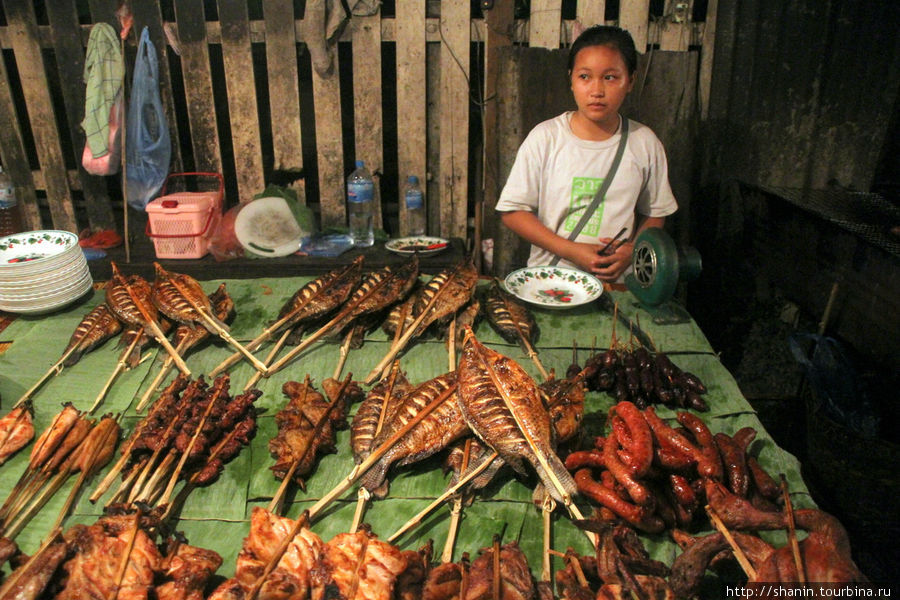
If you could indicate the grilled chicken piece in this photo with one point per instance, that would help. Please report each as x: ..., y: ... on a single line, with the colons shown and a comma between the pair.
x: 187, y: 569
x: 500, y: 402
x: 436, y: 431
x: 180, y: 298
x: 31, y: 579
x: 16, y: 430
x: 509, y: 317
x: 8, y: 549
x: 516, y: 582
x: 444, y: 582
x: 381, y: 399
x: 95, y: 328
x: 306, y: 429
x: 92, y: 573
x: 291, y: 576
x: 359, y: 566
x: 411, y: 581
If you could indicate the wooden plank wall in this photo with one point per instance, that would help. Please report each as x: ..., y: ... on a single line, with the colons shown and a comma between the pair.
x: 210, y: 79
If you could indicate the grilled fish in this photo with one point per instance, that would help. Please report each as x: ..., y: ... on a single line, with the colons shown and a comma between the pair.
x: 378, y: 290
x: 186, y: 336
x: 436, y: 431
x: 129, y: 298
x: 501, y: 404
x: 95, y: 328
x: 445, y: 293
x: 509, y: 317
x: 181, y: 298
x: 382, y: 398
x: 320, y: 296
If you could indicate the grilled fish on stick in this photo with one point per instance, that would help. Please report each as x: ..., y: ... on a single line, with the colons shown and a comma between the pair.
x: 16, y: 430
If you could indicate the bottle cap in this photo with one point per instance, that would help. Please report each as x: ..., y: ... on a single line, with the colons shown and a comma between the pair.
x: 412, y: 179
x: 360, y: 164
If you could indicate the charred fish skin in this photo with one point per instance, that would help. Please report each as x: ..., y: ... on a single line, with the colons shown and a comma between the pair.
x: 95, y: 328
x: 433, y: 433
x: 128, y: 298
x: 508, y: 316
x: 500, y: 402
x: 380, y: 398
x: 321, y: 295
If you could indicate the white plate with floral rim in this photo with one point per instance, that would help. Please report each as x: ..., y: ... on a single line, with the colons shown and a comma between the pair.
x: 422, y: 244
x: 553, y: 287
x: 26, y: 251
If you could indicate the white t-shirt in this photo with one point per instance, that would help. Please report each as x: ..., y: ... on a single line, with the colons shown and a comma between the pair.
x: 556, y: 174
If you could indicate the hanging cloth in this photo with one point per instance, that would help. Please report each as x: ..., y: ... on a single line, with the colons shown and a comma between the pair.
x: 104, y: 73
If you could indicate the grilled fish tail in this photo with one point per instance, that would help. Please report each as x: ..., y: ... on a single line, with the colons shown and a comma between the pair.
x: 561, y: 474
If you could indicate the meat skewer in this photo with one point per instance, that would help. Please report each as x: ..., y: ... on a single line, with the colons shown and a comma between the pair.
x: 187, y: 337
x: 513, y: 321
x: 95, y: 328
x: 506, y: 412
x: 314, y: 300
x: 792, y: 530
x: 16, y: 430
x: 738, y: 551
x: 51, y: 552
x: 377, y: 291
x: 442, y: 296
x: 129, y: 300
x: 181, y: 298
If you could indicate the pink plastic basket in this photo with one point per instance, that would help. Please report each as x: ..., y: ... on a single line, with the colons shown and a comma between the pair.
x: 181, y: 223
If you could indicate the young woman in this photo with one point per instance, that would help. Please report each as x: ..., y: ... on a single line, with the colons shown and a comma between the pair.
x: 564, y: 160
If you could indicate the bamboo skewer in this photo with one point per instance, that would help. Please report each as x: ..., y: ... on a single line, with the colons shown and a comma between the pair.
x: 316, y: 336
x: 360, y: 469
x: 158, y: 335
x: 216, y: 325
x: 344, y: 351
x: 126, y: 557
x: 56, y: 369
x: 469, y: 476
x: 496, y: 581
x: 120, y: 366
x: 738, y: 551
x: 269, y: 358
x: 792, y: 530
x: 362, y: 501
x: 157, y: 381
x: 22, y: 518
x: 408, y: 333
x: 547, y: 508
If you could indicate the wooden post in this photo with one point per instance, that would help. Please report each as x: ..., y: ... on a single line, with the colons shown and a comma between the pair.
x: 634, y: 15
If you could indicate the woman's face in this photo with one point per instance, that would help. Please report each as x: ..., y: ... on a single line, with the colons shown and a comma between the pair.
x: 600, y: 82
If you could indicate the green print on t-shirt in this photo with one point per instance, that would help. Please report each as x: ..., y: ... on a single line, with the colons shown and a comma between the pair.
x: 583, y: 190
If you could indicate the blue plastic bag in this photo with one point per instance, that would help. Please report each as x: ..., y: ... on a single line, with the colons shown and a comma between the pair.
x: 834, y: 377
x: 148, y: 147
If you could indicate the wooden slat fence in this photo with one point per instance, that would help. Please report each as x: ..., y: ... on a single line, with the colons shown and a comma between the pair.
x: 243, y: 98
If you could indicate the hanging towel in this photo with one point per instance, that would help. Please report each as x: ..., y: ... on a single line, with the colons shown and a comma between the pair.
x: 104, y: 71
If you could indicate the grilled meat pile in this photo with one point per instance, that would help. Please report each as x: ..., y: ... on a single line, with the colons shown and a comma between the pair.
x: 306, y: 428
x: 116, y: 557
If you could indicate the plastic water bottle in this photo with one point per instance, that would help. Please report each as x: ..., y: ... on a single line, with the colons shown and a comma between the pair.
x: 415, y: 206
x: 10, y: 217
x: 360, y: 205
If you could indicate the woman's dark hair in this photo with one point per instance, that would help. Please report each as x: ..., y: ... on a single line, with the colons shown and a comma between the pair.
x: 606, y: 35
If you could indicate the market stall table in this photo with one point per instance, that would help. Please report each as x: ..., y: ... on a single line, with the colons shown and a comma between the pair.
x: 217, y: 517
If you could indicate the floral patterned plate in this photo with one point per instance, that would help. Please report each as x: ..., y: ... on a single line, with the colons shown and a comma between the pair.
x: 424, y: 245
x: 26, y: 249
x: 554, y: 287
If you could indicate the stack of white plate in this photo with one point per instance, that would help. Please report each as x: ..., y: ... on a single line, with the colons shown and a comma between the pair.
x: 41, y: 271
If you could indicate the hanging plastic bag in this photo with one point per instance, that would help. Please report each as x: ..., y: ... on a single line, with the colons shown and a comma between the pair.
x: 148, y: 148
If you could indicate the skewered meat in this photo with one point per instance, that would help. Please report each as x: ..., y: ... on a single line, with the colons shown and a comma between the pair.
x: 411, y: 581
x: 16, y: 430
x: 478, y: 453
x: 95, y: 328
x: 306, y: 429
x: 129, y: 299
x: 444, y: 294
x: 500, y: 402
x: 436, y: 431
x: 187, y: 336
x: 90, y: 572
x: 381, y: 399
x: 187, y: 570
x: 180, y: 298
x: 516, y: 581
x: 52, y: 437
x: 290, y: 577
x: 445, y: 581
x: 320, y: 296
x: 32, y: 577
x: 378, y: 290
x: 467, y: 316
x: 509, y: 317
x: 359, y: 566
x: 138, y: 336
